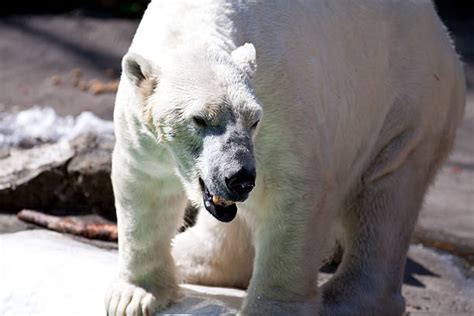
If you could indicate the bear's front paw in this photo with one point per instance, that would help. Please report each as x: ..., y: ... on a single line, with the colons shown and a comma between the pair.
x: 124, y: 298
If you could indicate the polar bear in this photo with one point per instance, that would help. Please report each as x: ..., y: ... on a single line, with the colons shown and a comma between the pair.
x: 290, y: 124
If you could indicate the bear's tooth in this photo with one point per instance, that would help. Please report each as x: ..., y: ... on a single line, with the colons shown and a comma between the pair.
x: 216, y: 200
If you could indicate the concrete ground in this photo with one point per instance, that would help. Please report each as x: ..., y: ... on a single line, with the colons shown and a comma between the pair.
x: 39, y: 61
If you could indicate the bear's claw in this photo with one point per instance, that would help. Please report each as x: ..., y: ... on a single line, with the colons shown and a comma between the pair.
x: 124, y: 298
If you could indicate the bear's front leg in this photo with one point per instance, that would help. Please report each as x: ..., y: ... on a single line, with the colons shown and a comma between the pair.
x: 289, y: 235
x: 148, y: 214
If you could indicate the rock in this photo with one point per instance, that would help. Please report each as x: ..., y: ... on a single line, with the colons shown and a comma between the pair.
x: 89, y: 171
x: 65, y: 170
x: 69, y: 177
x: 34, y: 177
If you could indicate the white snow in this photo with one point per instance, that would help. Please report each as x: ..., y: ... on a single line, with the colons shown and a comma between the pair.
x: 42, y: 125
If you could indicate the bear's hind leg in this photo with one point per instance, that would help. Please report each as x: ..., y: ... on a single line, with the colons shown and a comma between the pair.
x: 378, y: 226
x: 215, y: 253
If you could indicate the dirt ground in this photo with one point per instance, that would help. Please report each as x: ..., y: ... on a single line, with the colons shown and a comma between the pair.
x: 42, y: 58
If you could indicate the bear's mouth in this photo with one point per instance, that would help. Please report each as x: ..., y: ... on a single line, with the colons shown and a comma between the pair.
x: 220, y: 208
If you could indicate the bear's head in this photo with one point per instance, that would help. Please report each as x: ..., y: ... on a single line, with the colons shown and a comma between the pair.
x: 201, y: 105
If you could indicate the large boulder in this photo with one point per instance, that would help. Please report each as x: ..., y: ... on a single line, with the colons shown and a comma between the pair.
x: 62, y: 167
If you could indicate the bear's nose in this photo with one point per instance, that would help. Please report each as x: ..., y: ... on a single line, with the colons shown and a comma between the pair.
x: 241, y: 183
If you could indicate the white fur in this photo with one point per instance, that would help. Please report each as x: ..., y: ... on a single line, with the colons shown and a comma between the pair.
x: 360, y: 102
x: 245, y: 57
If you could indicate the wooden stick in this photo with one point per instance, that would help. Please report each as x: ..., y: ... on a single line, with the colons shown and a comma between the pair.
x: 70, y: 225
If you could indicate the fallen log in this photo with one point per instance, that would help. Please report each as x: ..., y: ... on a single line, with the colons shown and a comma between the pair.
x: 69, y: 225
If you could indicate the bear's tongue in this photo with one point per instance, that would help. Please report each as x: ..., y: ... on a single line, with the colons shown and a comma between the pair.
x: 221, y: 209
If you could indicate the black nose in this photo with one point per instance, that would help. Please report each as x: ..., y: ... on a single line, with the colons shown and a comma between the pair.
x: 242, y: 182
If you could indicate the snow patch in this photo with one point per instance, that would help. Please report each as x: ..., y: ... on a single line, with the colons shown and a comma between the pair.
x: 39, y: 125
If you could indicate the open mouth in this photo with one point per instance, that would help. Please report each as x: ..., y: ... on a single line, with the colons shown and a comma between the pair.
x: 220, y: 208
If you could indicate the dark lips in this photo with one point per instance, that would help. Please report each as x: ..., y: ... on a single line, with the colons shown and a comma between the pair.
x: 220, y: 212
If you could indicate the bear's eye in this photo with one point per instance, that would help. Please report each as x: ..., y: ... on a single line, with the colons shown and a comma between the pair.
x: 254, y: 126
x: 199, y: 121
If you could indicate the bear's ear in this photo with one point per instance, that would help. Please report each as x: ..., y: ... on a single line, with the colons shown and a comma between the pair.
x: 245, y: 57
x: 141, y: 73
